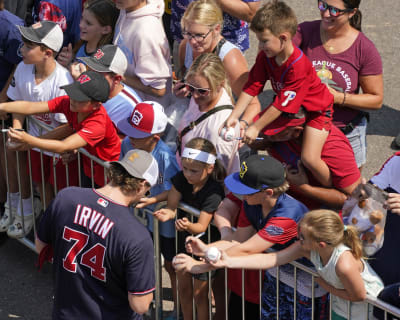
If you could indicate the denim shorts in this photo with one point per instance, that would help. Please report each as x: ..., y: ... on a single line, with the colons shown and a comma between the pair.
x: 358, y: 141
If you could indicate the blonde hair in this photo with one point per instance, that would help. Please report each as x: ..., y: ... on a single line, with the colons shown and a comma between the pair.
x: 209, y: 66
x: 281, y: 189
x: 327, y: 226
x: 206, y: 12
x: 277, y: 17
x: 219, y: 172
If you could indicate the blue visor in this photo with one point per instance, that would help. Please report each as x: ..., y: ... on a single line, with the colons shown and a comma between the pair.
x: 235, y: 185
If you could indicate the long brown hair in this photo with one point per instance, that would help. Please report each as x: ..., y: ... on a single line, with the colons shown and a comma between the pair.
x: 326, y: 226
x: 106, y: 13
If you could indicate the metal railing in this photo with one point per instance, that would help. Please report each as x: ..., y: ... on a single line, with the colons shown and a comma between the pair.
x: 158, y: 299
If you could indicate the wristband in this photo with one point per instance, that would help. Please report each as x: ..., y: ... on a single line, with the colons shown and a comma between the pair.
x: 245, y: 122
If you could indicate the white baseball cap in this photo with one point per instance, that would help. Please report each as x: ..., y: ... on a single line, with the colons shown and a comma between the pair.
x: 146, y: 119
x: 44, y: 32
x: 140, y: 164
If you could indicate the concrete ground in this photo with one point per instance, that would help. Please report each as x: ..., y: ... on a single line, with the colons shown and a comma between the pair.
x: 27, y: 294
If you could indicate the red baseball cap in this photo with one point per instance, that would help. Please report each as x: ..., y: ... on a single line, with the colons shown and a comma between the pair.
x: 146, y: 119
x: 284, y: 121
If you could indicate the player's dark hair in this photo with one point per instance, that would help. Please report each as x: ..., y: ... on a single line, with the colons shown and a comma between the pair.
x: 1, y: 5
x: 219, y: 172
x: 355, y: 21
x: 277, y: 17
x: 119, y: 177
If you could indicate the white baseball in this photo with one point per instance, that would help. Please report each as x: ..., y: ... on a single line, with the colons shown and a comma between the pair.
x: 227, y: 134
x: 213, y: 254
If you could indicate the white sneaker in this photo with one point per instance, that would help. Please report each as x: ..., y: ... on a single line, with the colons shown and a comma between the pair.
x: 7, y: 217
x: 15, y: 230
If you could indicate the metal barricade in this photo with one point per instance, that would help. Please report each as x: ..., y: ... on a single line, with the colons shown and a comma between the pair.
x: 158, y: 299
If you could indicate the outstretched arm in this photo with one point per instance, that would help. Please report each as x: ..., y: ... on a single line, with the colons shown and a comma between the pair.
x: 25, y: 107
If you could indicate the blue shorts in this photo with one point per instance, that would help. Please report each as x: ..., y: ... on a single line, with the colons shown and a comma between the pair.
x: 303, y: 305
x: 358, y: 140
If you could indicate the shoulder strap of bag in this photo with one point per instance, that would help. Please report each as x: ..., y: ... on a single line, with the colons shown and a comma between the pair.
x: 203, y: 117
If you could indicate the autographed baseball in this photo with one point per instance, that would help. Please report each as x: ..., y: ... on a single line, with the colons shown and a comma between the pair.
x: 227, y: 134
x: 213, y: 254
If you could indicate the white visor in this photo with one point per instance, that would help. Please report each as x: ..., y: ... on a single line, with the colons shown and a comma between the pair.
x: 198, y: 155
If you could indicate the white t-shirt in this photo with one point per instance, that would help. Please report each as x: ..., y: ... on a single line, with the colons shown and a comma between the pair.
x: 227, y: 151
x: 23, y: 87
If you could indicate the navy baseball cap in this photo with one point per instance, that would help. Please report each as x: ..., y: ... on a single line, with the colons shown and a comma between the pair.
x: 257, y: 172
x: 89, y: 86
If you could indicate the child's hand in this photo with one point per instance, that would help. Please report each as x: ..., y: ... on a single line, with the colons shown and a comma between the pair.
x: 18, y: 136
x: 222, y: 262
x: 164, y: 214
x: 182, y: 224
x: 195, y: 246
x: 250, y: 134
x: 65, y: 56
x: 75, y: 69
x: 231, y: 122
x: 296, y: 176
x: 144, y: 202
x: 69, y: 156
x: 182, y: 262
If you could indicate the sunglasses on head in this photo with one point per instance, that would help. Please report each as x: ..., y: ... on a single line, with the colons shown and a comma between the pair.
x: 333, y: 11
x: 200, y: 91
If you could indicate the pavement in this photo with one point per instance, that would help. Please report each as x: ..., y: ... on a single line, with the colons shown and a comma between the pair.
x: 26, y: 293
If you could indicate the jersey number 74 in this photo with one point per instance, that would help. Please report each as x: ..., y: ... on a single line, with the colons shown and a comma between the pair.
x: 92, y: 258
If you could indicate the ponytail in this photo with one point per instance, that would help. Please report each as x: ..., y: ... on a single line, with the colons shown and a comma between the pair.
x: 352, y: 240
x: 355, y: 21
x: 326, y: 226
x: 219, y: 172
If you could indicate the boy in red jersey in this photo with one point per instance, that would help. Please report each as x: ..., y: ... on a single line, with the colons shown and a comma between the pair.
x: 294, y: 81
x: 89, y: 125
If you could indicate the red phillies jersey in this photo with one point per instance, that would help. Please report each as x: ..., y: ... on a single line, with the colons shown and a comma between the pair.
x: 97, y: 130
x: 295, y: 83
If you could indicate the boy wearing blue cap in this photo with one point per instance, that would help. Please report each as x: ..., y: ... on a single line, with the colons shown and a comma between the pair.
x: 268, y: 219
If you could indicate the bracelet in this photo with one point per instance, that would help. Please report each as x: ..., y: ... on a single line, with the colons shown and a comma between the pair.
x: 344, y: 99
x: 245, y: 122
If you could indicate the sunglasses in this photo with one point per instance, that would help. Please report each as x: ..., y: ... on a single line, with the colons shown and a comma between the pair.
x: 333, y: 11
x: 201, y: 91
x: 197, y: 37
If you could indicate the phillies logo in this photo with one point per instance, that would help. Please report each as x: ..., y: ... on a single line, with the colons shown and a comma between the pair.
x: 136, y: 117
x: 83, y: 78
x: 99, y: 54
x: 102, y: 202
x: 290, y: 96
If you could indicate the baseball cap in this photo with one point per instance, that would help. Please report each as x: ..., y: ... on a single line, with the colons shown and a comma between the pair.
x: 257, y: 172
x: 108, y: 58
x: 140, y: 164
x: 284, y: 121
x: 44, y: 32
x: 146, y: 119
x: 89, y: 86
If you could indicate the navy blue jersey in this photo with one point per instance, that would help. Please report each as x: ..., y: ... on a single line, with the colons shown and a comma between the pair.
x: 386, y: 262
x: 101, y: 254
x: 10, y: 44
x: 280, y: 225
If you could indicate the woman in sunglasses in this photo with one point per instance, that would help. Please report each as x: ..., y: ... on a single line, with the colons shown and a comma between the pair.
x: 201, y: 28
x: 346, y: 61
x: 209, y: 88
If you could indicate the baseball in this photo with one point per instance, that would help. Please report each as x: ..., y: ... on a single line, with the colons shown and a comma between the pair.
x: 227, y: 134
x: 213, y: 254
